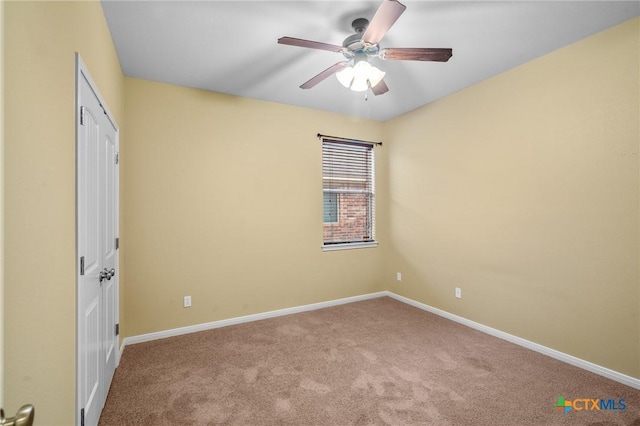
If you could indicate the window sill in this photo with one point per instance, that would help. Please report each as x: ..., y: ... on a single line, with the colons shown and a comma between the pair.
x: 349, y: 246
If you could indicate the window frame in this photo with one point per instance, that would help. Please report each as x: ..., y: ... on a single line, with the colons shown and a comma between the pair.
x: 371, y: 198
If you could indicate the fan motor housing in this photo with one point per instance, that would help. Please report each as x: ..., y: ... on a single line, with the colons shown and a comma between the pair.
x: 354, y: 43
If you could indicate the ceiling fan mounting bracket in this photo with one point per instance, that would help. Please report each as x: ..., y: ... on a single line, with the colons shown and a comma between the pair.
x: 359, y: 25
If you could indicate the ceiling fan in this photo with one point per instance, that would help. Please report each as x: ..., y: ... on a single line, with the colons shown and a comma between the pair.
x: 356, y: 73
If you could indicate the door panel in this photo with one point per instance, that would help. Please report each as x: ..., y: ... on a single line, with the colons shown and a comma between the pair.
x: 97, y: 227
x: 88, y: 193
x: 89, y: 247
x: 92, y: 359
x: 110, y: 255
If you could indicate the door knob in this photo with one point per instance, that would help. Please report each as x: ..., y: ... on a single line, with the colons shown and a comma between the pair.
x: 24, y: 417
x: 106, y: 274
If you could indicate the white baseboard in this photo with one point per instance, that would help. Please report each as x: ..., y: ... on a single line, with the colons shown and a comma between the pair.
x: 569, y: 359
x: 561, y: 356
x: 248, y: 318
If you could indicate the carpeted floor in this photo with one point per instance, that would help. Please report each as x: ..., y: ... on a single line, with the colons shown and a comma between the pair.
x: 375, y: 362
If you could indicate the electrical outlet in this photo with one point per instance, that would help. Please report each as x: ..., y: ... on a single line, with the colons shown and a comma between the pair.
x: 458, y: 292
x: 187, y: 301
x: 399, y: 276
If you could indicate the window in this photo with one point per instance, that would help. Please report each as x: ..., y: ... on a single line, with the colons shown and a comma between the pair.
x: 330, y: 207
x: 348, y: 194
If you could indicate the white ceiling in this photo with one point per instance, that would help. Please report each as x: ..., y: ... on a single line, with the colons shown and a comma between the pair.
x: 231, y: 46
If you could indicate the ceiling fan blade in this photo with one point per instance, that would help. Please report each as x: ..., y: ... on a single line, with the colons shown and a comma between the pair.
x: 416, y: 54
x: 380, y: 88
x: 386, y: 15
x: 291, y: 41
x: 324, y: 74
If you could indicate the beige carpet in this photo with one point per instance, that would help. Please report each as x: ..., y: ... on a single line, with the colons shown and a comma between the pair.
x: 376, y: 362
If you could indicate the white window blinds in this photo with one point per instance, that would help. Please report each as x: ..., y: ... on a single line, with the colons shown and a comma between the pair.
x: 348, y: 192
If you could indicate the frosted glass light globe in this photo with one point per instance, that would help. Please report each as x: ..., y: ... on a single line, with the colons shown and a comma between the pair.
x: 360, y: 77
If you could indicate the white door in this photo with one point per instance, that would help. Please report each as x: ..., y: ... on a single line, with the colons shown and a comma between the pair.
x: 109, y: 230
x: 97, y: 225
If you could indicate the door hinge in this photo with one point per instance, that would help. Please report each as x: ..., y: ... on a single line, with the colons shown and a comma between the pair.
x: 117, y: 329
x: 117, y: 243
x: 82, y: 116
x: 82, y: 417
x: 117, y: 157
x: 82, y: 265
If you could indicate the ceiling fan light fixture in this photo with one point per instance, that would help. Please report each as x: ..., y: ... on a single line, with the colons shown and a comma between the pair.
x: 360, y: 77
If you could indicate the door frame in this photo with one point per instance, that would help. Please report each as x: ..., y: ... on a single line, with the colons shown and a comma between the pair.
x: 82, y: 72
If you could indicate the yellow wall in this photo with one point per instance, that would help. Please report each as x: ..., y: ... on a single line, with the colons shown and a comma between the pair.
x: 224, y: 204
x: 39, y: 173
x: 523, y: 191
